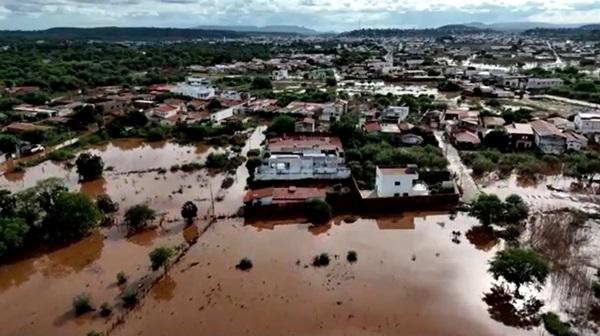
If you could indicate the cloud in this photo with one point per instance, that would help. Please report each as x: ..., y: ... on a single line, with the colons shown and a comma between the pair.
x: 320, y: 14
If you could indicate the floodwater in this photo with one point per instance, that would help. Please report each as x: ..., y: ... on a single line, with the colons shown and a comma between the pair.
x: 37, y: 289
x: 409, y: 280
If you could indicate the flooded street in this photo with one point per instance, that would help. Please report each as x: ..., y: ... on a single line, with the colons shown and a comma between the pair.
x: 410, y: 281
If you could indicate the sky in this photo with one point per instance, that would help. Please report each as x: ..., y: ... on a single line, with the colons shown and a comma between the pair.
x: 323, y: 15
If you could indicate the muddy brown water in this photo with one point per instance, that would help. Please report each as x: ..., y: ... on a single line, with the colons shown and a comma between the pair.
x: 409, y: 280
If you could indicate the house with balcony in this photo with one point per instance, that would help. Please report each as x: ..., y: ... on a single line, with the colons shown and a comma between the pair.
x: 303, y: 158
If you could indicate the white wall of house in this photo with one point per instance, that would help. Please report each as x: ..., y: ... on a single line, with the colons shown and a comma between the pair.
x: 394, y: 185
x: 543, y: 83
x: 550, y: 144
x: 587, y: 123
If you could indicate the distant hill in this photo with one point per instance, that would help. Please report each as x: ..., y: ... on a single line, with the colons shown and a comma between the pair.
x: 128, y: 34
x: 584, y: 33
x: 437, y: 32
x: 519, y: 26
x: 265, y: 29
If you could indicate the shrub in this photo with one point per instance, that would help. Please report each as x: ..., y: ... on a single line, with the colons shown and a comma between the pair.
x: 318, y: 212
x: 321, y: 260
x: 129, y: 297
x: 555, y: 326
x: 160, y: 257
x: 138, y: 216
x: 82, y: 304
x: 352, y: 257
x: 216, y: 161
x: 94, y: 333
x: 89, y: 167
x: 121, y: 278
x: 105, y: 309
x: 254, y: 152
x: 244, y: 265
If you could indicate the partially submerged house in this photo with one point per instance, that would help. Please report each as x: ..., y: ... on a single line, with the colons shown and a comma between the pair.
x: 548, y: 138
x: 289, y: 195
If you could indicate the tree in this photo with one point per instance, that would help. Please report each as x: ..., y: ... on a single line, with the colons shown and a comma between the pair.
x: 189, y: 211
x: 87, y: 114
x: 318, y: 212
x: 515, y: 209
x: 129, y: 297
x: 555, y: 326
x: 519, y: 267
x: 261, y: 83
x: 12, y: 234
x: 488, y: 208
x: 213, y: 105
x: 106, y: 205
x: 89, y: 167
x: 8, y: 143
x: 138, y: 216
x: 331, y: 81
x: 72, y: 217
x: 8, y: 203
x: 160, y: 257
x: 282, y: 125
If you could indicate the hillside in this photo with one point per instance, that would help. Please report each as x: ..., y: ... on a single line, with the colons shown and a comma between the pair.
x: 265, y: 29
x: 437, y: 32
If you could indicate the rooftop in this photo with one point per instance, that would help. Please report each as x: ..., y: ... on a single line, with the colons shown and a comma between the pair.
x: 519, y: 128
x: 322, y: 143
x: 544, y: 128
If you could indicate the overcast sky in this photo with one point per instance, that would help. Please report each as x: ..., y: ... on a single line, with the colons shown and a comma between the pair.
x: 325, y: 15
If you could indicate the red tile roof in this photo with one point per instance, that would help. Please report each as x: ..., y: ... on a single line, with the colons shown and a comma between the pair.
x: 305, y: 142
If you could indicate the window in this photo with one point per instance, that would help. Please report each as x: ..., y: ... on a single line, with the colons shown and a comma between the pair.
x: 397, y: 183
x: 396, y: 195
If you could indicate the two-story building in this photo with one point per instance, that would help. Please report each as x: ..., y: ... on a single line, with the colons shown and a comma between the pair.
x: 195, y: 87
x: 398, y: 182
x: 520, y: 135
x: 587, y: 122
x: 548, y: 138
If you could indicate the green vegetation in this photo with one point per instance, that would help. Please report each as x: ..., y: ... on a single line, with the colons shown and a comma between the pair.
x: 321, y: 260
x: 189, y: 211
x: 555, y: 326
x: 138, y: 216
x: 57, y: 66
x: 105, y: 309
x: 524, y: 163
x: 106, y: 205
x: 223, y: 162
x: 244, y: 265
x: 519, y: 267
x: 160, y: 257
x: 583, y: 165
x: 121, y: 278
x: 45, y: 213
x: 129, y: 297
x: 72, y: 217
x: 352, y: 257
x: 489, y: 209
x: 89, y: 167
x: 261, y: 83
x: 318, y: 212
x: 309, y: 95
x: 282, y: 125
x: 82, y: 304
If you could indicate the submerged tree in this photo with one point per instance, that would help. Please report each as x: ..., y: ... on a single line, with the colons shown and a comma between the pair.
x: 89, y: 167
x: 519, y: 267
x: 160, y: 257
x: 318, y: 211
x: 189, y: 211
x: 72, y: 217
x: 138, y: 216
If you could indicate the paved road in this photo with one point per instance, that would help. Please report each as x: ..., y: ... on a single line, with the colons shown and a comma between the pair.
x: 464, y: 179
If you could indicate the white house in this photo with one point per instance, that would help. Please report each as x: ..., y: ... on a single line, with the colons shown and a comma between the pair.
x: 396, y: 182
x: 395, y: 113
x: 196, y: 87
x: 334, y: 111
x: 281, y: 74
x: 231, y: 95
x: 587, y: 123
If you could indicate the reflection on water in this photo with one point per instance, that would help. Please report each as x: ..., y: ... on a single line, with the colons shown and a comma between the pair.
x: 164, y: 289
x: 504, y: 308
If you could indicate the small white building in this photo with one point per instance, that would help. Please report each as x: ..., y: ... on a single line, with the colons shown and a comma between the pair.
x: 280, y: 74
x: 587, y: 123
x: 196, y: 87
x: 397, y: 182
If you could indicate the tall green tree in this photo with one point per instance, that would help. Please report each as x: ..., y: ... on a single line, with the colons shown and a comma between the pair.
x: 160, y: 257
x: 189, y: 211
x: 89, y: 167
x: 519, y: 267
x: 138, y: 216
x: 282, y: 125
x: 72, y: 217
x: 12, y: 234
